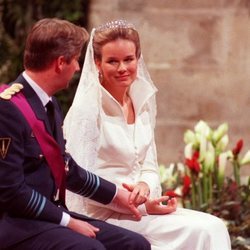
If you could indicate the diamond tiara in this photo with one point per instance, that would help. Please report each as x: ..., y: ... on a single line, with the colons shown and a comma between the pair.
x: 122, y: 24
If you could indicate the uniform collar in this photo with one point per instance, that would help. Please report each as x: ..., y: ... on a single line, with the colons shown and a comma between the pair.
x: 39, y: 91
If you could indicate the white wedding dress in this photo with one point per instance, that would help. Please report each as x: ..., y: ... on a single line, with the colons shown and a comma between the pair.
x: 99, y: 138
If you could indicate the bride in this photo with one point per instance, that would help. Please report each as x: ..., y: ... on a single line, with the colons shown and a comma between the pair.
x: 110, y: 130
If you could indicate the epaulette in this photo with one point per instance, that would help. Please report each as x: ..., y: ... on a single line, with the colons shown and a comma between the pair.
x: 11, y: 90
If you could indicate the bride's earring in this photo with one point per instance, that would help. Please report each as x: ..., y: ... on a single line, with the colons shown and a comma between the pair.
x: 100, y: 77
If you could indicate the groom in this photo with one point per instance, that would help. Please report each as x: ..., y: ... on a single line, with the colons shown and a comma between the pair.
x: 35, y: 169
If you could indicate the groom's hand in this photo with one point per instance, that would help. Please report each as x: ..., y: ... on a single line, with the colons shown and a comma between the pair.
x: 121, y: 200
x: 83, y: 227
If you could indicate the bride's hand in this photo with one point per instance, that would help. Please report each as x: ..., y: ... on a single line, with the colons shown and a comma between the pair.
x: 155, y: 206
x: 139, y: 192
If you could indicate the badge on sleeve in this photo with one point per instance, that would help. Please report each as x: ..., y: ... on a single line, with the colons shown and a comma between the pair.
x: 4, y: 146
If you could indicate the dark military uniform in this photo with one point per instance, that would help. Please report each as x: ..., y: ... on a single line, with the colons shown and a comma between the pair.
x: 29, y: 213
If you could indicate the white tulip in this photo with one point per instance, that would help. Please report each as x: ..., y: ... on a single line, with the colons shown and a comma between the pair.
x: 220, y: 132
x: 209, y: 159
x: 246, y: 158
x: 202, y: 128
x: 188, y: 151
x: 203, y: 146
x: 222, y: 162
x: 189, y: 137
x: 222, y: 143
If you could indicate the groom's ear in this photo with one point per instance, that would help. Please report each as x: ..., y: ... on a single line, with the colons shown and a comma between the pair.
x: 59, y: 63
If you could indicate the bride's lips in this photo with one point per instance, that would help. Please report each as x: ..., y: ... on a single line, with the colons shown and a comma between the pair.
x: 122, y: 77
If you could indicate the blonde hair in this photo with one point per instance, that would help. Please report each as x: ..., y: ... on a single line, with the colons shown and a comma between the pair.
x: 112, y: 31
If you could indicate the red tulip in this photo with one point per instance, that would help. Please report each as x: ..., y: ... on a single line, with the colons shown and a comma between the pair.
x: 186, y: 185
x: 238, y: 147
x: 172, y: 194
x: 193, y: 165
x: 196, y: 155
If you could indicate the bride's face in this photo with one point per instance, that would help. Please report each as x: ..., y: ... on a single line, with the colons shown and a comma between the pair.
x: 118, y: 64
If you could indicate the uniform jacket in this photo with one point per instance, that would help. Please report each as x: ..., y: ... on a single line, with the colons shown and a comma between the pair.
x: 27, y: 187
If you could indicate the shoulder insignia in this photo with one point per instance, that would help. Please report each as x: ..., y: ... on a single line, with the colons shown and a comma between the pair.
x: 4, y: 146
x: 10, y: 91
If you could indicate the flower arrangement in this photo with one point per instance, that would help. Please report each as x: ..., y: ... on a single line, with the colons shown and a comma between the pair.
x: 206, y: 158
x: 201, y: 180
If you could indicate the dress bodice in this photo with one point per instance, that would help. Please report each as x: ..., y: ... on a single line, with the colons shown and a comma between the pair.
x: 126, y: 152
x: 123, y: 147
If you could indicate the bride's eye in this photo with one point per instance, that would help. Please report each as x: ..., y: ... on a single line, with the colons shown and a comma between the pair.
x: 112, y: 62
x: 129, y: 59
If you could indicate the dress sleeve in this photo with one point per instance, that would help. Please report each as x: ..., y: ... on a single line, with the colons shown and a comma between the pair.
x: 150, y: 171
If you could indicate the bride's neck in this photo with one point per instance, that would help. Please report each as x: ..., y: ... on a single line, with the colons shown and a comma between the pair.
x: 120, y: 94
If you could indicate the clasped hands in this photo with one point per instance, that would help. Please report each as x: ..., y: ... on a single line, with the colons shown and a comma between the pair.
x: 139, y: 194
x: 127, y: 201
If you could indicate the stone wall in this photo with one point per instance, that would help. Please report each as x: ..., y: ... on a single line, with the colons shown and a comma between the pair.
x: 198, y: 54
